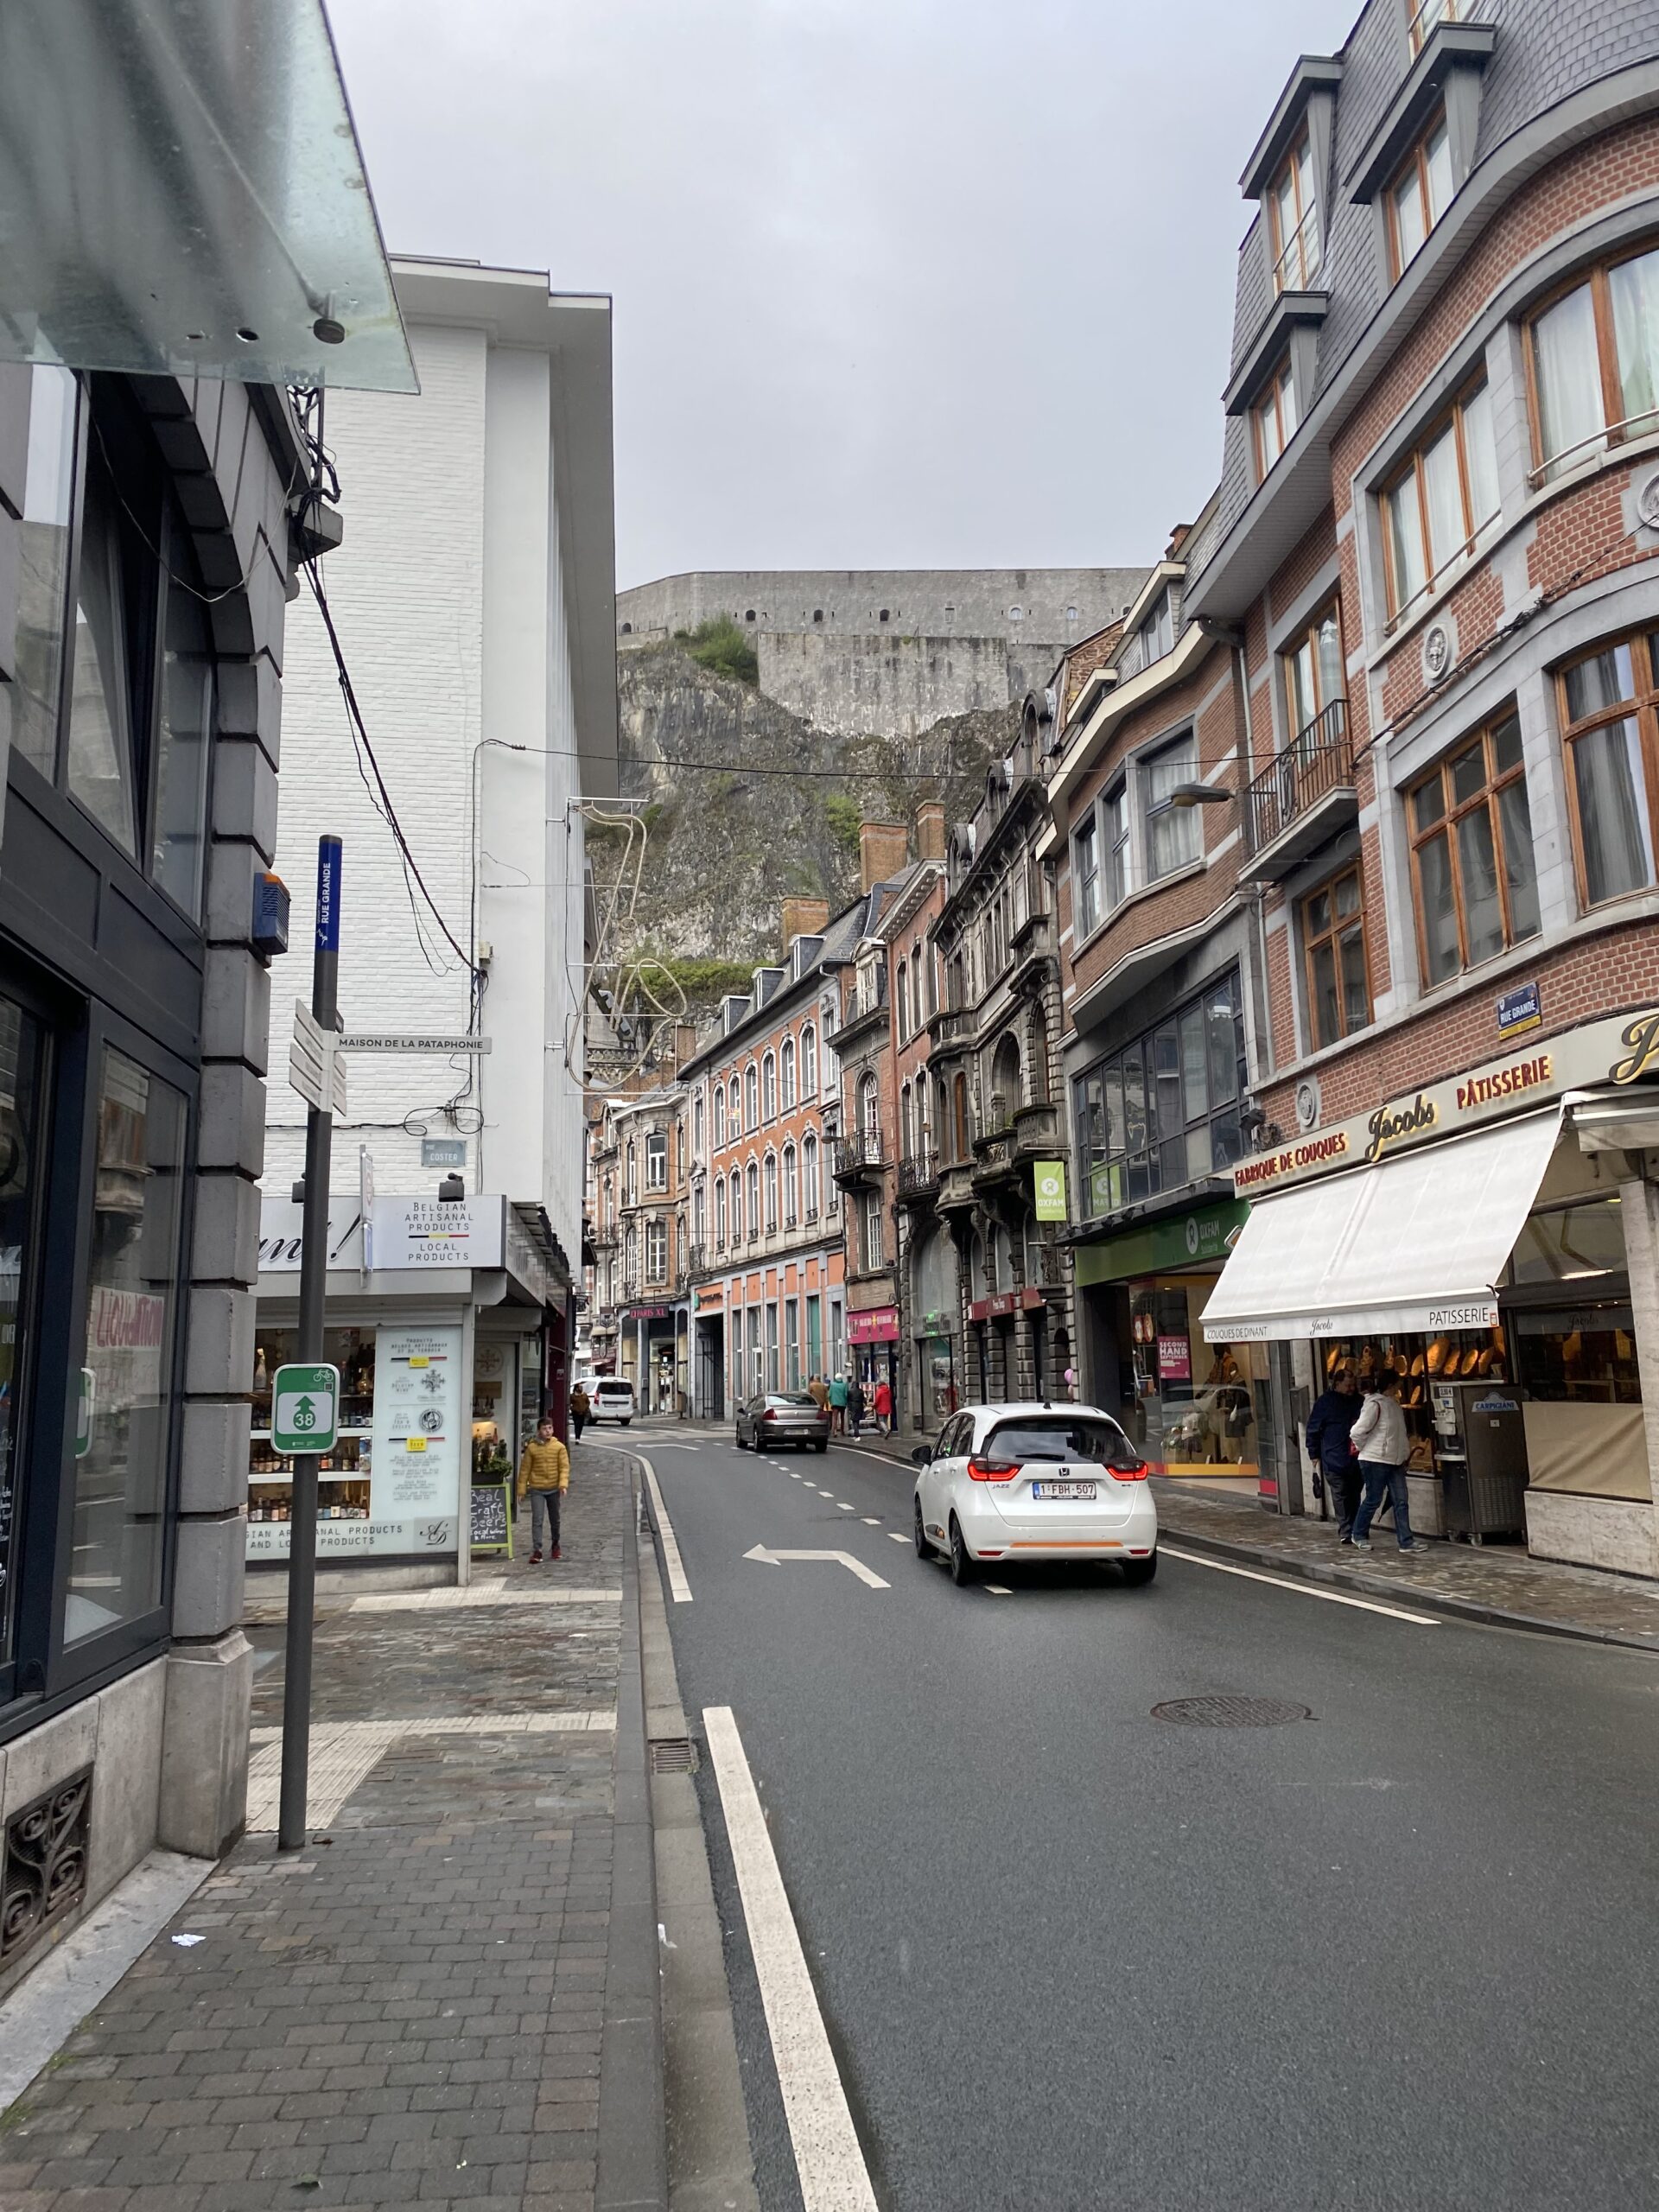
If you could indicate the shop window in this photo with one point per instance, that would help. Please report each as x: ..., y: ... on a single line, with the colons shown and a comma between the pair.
x: 1273, y: 419
x: 1085, y: 876
x: 657, y: 1159
x: 1420, y: 194
x: 1314, y: 675
x: 1472, y: 852
x: 1609, y: 705
x: 1293, y: 221
x: 121, y: 1477
x: 43, y: 568
x: 1593, y: 359
x: 1573, y: 1243
x: 1334, y: 948
x: 1174, y: 835
x: 1163, y: 1111
x: 1438, y: 507
x: 22, y: 1076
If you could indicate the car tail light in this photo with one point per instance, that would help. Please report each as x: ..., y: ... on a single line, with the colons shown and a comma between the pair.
x: 771, y: 1414
x: 1137, y: 1473
x: 993, y: 1471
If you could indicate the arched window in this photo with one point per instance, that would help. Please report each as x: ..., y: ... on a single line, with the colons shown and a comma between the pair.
x: 719, y: 1115
x: 772, y: 1194
x: 737, y: 1207
x: 631, y: 1257
x: 753, y: 1197
x: 1005, y: 1081
x: 720, y: 1215
x: 959, y: 1118
x: 696, y: 1215
x: 680, y: 1162
x: 809, y: 1176
x: 869, y: 1107
x: 751, y: 1098
x: 902, y: 995
x: 696, y: 1125
x: 769, y: 1087
x: 809, y: 1062
x: 633, y: 1175
x: 733, y: 1113
x: 786, y: 1072
x: 791, y: 1187
x: 906, y: 1122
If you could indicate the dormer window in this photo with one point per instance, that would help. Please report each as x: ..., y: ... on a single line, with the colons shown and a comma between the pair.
x: 1293, y: 221
x: 1423, y: 14
x: 1274, y: 418
x: 1420, y: 193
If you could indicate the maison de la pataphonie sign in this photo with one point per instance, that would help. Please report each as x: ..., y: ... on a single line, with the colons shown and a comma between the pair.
x: 1622, y: 1050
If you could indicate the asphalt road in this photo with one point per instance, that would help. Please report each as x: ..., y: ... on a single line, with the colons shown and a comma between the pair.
x: 1399, y: 1955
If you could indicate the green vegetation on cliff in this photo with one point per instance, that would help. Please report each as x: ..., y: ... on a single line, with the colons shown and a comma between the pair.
x: 720, y: 646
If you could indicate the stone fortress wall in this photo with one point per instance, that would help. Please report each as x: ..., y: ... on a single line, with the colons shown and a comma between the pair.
x: 889, y: 652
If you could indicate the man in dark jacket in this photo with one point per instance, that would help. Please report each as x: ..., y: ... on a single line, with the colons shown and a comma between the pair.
x: 1329, y: 1427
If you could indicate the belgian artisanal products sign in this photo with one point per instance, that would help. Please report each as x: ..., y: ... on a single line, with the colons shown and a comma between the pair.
x: 1622, y: 1050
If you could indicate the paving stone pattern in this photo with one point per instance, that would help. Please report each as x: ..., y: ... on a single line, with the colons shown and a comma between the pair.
x: 410, y: 2013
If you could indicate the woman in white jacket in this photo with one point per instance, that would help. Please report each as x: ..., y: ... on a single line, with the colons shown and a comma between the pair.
x: 1381, y: 1445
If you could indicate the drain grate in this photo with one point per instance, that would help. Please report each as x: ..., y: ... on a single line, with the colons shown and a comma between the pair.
x: 1231, y: 1712
x: 673, y: 1755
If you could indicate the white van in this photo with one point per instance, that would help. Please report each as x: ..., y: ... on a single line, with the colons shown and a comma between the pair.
x: 611, y: 1399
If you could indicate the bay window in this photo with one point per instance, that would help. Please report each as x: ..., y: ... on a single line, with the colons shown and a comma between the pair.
x: 1163, y: 1111
x: 1173, y: 834
x: 1609, y: 723
x: 1085, y: 876
x: 1115, y: 814
x: 1333, y: 949
x: 1435, y: 510
x: 1293, y: 221
x: 1593, y: 363
x: 1472, y: 863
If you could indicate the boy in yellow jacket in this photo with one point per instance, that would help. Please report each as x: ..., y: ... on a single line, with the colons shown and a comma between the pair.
x: 544, y: 1471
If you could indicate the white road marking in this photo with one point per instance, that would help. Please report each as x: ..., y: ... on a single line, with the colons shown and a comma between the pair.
x: 793, y: 1476
x: 679, y: 1588
x: 997, y: 1590
x: 841, y: 1506
x: 1303, y: 1589
x: 855, y: 1565
x: 897, y: 1538
x: 872, y: 1520
x: 828, y: 2159
x: 662, y: 1443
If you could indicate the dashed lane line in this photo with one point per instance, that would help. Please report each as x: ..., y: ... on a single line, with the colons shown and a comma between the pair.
x: 872, y: 1520
x: 897, y: 1538
x: 1301, y: 1589
x: 828, y: 2158
x: 841, y: 1506
x: 997, y: 1590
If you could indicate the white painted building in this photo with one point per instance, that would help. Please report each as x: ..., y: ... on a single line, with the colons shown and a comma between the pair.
x: 474, y: 603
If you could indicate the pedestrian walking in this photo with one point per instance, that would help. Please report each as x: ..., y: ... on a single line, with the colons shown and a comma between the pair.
x: 838, y: 1405
x: 855, y: 1407
x: 545, y: 1473
x: 884, y: 1406
x: 1330, y: 1426
x: 580, y: 1409
x: 1382, y: 1444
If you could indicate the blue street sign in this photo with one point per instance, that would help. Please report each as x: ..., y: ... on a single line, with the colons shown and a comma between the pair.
x: 329, y: 863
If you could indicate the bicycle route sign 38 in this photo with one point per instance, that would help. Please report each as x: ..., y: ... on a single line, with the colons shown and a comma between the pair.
x: 305, y: 1409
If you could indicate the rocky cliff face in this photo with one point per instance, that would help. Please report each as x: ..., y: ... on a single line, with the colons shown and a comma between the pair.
x: 749, y: 805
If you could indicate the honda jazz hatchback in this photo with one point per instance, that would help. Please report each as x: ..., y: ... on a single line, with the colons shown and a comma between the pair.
x: 1013, y: 1484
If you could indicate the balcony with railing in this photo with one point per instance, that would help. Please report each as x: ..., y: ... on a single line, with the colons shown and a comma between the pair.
x: 1302, y: 798
x: 918, y: 1178
x: 859, y: 1157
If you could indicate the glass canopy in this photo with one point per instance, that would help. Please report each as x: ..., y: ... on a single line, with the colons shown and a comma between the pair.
x: 181, y: 193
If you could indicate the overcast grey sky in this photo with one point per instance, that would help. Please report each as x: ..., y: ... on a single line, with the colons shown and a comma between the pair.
x: 898, y: 283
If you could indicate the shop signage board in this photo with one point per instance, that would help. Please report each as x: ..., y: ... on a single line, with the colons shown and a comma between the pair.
x: 443, y: 1152
x: 305, y: 1407
x: 1048, y: 1185
x: 400, y: 1040
x: 492, y: 1517
x: 340, y: 1537
x: 1201, y: 1238
x: 423, y: 1232
x: 997, y: 1306
x: 418, y: 1430
x: 1621, y: 1051
x: 877, y: 1324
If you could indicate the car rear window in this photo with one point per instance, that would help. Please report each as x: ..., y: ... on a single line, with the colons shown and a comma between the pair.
x: 1087, y: 1437
x: 794, y: 1398
x: 616, y: 1389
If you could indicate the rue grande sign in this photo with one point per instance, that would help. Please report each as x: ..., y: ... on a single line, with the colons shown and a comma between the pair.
x: 1621, y: 1051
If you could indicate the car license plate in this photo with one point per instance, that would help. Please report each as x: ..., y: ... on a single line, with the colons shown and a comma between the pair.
x: 1085, y: 1491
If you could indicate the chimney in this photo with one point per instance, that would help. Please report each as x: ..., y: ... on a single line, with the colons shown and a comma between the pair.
x: 929, y: 830
x: 804, y: 918
x: 1178, y: 537
x: 685, y: 1043
x: 883, y: 848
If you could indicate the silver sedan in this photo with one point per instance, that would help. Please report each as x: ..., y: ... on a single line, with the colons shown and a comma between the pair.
x: 783, y: 1417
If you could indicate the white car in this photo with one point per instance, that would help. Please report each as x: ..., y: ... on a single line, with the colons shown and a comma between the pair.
x: 1020, y: 1483
x: 611, y: 1399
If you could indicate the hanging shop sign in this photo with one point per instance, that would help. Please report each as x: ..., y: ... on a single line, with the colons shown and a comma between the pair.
x: 418, y: 1233
x: 998, y: 1305
x: 1622, y: 1050
x: 878, y: 1324
x: 1048, y: 1186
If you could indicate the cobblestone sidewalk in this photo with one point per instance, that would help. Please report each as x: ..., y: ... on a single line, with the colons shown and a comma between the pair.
x: 1494, y: 1582
x: 426, y: 2006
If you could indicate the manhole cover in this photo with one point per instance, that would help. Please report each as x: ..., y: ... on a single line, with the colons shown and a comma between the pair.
x: 673, y: 1755
x: 1230, y: 1711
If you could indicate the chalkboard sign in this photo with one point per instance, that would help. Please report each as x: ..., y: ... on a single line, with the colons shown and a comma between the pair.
x: 492, y: 1517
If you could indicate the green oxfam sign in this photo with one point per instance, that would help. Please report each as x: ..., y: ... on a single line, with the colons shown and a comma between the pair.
x: 305, y: 1409
x: 1048, y: 1185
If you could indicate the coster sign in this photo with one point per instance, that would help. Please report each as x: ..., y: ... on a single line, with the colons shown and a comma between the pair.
x: 1623, y: 1050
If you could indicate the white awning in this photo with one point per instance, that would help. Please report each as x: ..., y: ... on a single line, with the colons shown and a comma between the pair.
x: 1416, y: 1243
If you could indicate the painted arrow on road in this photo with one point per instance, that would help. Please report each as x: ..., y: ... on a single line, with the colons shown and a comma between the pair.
x: 864, y: 1574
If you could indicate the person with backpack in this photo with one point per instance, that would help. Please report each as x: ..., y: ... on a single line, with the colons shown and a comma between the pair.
x: 545, y: 1476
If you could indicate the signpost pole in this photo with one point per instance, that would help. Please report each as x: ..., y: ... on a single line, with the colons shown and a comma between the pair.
x: 314, y: 1261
